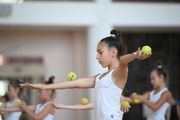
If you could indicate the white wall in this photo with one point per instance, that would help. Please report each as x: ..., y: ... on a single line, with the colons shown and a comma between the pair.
x: 86, y: 14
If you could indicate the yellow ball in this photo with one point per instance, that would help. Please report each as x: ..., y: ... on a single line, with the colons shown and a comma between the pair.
x: 19, y: 103
x: 137, y: 100
x: 125, y: 104
x: 146, y: 49
x: 1, y: 104
x: 71, y: 76
x: 133, y: 94
x: 84, y: 101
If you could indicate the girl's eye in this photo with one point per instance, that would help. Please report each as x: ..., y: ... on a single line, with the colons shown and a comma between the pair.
x: 100, y: 52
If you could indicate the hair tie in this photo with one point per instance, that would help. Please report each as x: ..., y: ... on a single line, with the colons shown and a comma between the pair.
x: 159, y: 66
x: 113, y: 35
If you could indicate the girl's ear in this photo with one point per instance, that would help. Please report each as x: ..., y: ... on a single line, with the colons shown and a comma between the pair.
x: 17, y: 90
x: 114, y: 52
x: 162, y: 77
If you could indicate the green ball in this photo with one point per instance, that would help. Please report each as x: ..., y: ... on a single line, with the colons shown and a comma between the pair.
x: 125, y: 104
x: 84, y: 101
x: 71, y: 76
x: 146, y: 49
x: 137, y: 100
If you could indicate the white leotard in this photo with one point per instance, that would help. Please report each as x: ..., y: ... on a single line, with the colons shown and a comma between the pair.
x: 107, y: 99
x: 160, y: 113
x: 40, y: 107
x: 12, y: 115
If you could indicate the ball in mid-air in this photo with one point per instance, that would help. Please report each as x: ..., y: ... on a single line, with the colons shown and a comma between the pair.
x: 146, y: 49
x: 71, y: 76
x: 84, y: 101
x: 125, y: 104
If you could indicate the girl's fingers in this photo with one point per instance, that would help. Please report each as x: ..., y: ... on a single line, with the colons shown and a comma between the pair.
x: 125, y: 109
x: 55, y: 105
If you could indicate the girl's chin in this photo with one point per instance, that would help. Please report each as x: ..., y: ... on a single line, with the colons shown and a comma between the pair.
x: 103, y: 66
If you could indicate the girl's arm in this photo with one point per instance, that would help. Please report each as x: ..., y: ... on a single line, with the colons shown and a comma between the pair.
x: 168, y: 113
x: 122, y: 70
x: 133, y: 96
x: 78, y: 83
x: 165, y: 97
x: 125, y: 59
x: 47, y: 110
x: 178, y: 110
x: 73, y: 107
x: 129, y: 99
x: 16, y: 109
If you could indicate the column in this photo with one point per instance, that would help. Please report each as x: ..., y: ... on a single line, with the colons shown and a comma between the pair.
x: 95, y: 33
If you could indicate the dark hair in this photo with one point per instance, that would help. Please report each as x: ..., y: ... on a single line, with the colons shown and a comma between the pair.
x: 15, y: 85
x: 115, y: 40
x: 161, y: 70
x: 6, y: 97
x: 50, y: 81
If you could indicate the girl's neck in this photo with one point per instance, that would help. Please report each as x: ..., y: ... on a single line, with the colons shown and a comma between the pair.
x: 14, y: 98
x: 47, y: 100
x: 114, y: 65
x: 160, y: 88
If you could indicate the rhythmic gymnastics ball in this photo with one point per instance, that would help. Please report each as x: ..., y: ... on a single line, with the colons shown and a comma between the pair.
x: 19, y: 103
x: 125, y: 104
x: 72, y: 76
x: 146, y: 49
x: 1, y: 104
x: 133, y: 94
x: 84, y: 101
x: 136, y: 101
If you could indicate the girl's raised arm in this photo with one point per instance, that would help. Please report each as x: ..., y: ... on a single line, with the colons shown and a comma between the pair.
x: 122, y: 71
x: 78, y: 83
x: 125, y: 59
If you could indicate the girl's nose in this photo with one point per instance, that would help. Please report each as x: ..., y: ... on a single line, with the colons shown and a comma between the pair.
x: 97, y: 56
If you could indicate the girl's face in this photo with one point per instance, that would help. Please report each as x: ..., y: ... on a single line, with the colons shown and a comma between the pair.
x: 103, y: 55
x: 42, y: 94
x: 12, y: 92
x: 155, y: 79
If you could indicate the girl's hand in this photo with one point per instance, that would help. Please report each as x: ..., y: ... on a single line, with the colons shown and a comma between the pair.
x: 3, y: 111
x: 32, y: 86
x: 57, y: 106
x: 140, y: 97
x: 133, y: 95
x: 140, y: 55
x: 125, y: 109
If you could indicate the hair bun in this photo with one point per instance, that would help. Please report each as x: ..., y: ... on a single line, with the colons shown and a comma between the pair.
x: 159, y: 65
x: 116, y: 33
x: 51, y: 79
